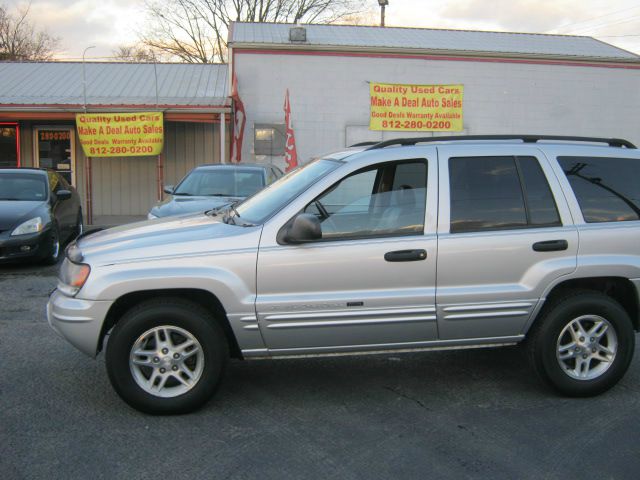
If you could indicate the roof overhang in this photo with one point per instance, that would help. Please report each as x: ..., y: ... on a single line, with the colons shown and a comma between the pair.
x: 432, y: 54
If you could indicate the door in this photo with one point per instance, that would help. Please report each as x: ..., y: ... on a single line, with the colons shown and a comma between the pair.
x: 55, y: 151
x: 503, y: 238
x: 64, y: 211
x: 370, y: 281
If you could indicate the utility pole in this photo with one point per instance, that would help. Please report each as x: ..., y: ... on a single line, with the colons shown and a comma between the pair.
x: 383, y: 4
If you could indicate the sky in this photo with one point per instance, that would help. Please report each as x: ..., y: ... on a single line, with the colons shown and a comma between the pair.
x: 106, y: 24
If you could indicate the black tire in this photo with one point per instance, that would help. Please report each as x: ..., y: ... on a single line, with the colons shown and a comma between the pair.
x: 544, y: 340
x: 178, y: 313
x: 53, y: 247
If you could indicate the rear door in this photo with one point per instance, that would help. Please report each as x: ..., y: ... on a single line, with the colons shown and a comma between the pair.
x: 505, y: 233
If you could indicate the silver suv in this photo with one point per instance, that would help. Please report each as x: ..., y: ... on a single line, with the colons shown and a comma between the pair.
x: 408, y: 245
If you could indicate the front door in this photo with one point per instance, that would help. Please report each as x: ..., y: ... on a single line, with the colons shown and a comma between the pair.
x: 55, y: 151
x: 370, y: 281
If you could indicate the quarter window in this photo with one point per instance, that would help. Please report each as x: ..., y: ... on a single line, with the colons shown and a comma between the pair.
x: 497, y: 193
x: 607, y: 189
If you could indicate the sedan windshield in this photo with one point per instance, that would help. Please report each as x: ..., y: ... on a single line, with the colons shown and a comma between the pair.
x: 22, y: 187
x: 264, y: 204
x: 218, y: 182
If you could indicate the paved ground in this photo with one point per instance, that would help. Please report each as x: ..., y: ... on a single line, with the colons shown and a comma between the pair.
x: 466, y: 414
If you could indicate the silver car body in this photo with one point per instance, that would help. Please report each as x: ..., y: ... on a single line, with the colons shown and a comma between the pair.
x: 473, y: 289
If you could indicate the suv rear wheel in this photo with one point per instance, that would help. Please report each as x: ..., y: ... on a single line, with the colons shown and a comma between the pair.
x: 166, y: 356
x: 583, y: 344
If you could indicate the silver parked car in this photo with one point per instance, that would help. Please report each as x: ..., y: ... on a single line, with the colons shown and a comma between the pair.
x: 410, y: 244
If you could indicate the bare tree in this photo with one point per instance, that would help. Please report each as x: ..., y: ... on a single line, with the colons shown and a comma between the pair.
x: 196, y: 30
x: 136, y: 53
x: 21, y: 40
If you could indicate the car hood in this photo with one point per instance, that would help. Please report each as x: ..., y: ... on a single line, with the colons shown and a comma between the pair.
x: 13, y: 212
x: 179, y: 205
x: 193, y: 234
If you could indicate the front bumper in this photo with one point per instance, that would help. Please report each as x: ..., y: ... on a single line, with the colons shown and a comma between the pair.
x: 13, y: 248
x: 78, y: 321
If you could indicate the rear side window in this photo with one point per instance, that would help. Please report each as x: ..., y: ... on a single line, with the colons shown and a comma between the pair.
x: 607, y: 189
x: 498, y: 193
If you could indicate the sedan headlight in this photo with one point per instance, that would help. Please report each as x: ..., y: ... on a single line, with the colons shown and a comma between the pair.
x: 33, y: 225
x: 72, y: 277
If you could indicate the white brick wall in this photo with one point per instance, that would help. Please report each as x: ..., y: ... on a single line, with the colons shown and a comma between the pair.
x: 329, y: 93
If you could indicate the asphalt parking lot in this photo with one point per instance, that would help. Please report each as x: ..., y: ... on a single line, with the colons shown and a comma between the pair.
x: 454, y: 414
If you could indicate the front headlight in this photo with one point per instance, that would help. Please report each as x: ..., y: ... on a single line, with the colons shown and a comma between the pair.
x: 151, y: 216
x: 72, y: 277
x: 33, y: 225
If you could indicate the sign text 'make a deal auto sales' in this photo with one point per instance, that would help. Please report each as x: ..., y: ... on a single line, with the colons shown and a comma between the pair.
x: 120, y: 134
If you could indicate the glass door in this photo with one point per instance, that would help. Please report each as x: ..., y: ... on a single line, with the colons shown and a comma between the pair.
x: 55, y: 150
x: 9, y: 145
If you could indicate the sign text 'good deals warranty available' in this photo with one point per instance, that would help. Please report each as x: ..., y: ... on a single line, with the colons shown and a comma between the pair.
x: 416, y: 108
x: 120, y: 134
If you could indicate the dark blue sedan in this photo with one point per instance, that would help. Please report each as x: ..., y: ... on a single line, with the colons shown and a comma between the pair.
x: 213, y: 186
x: 39, y: 212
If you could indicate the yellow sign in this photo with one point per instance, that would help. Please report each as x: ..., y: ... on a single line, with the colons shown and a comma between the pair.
x: 120, y: 134
x: 416, y: 108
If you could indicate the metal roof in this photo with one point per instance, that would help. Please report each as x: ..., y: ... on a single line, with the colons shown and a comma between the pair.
x: 131, y: 84
x: 497, y: 43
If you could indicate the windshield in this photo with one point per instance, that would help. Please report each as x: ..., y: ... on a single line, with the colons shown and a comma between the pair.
x: 270, y: 200
x: 25, y: 187
x: 221, y: 182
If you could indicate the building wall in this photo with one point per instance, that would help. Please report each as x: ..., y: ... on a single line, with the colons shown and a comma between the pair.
x: 330, y: 97
x: 128, y: 186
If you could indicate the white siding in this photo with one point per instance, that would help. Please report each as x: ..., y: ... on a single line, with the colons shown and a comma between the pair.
x: 329, y: 94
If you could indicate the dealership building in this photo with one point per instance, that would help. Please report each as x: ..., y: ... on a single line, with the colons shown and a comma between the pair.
x: 512, y: 84
x: 38, y: 107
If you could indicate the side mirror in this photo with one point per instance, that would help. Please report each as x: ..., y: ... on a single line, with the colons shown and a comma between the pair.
x: 304, y: 228
x: 63, y: 195
x: 168, y: 189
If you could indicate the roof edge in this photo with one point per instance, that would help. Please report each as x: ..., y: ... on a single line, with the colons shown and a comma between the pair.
x: 430, y: 52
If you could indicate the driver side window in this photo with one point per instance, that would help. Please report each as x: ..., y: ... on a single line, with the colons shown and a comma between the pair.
x: 385, y: 200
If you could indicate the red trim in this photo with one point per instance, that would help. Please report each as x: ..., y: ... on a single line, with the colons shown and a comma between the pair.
x: 17, y: 125
x: 18, y: 144
x: 438, y: 57
x: 160, y: 176
x: 109, y: 106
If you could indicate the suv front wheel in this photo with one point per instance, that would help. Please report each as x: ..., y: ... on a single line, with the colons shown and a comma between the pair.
x: 583, y: 344
x: 166, y: 356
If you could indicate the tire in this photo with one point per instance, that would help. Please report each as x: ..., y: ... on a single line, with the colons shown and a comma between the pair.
x: 139, y: 330
x: 53, y: 252
x: 568, y: 345
x: 79, y: 225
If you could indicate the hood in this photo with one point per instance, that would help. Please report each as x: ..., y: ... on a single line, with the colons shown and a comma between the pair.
x: 167, y: 237
x: 14, y: 212
x: 179, y: 205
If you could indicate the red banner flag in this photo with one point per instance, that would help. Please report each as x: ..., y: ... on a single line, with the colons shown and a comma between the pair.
x: 239, y: 119
x: 290, y: 152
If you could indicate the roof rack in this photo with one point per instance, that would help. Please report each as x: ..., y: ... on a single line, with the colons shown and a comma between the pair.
x: 612, y: 142
x: 363, y: 144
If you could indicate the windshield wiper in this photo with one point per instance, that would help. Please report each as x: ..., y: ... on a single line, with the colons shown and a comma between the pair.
x: 182, y: 193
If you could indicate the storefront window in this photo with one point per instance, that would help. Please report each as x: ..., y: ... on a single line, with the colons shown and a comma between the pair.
x: 9, y: 149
